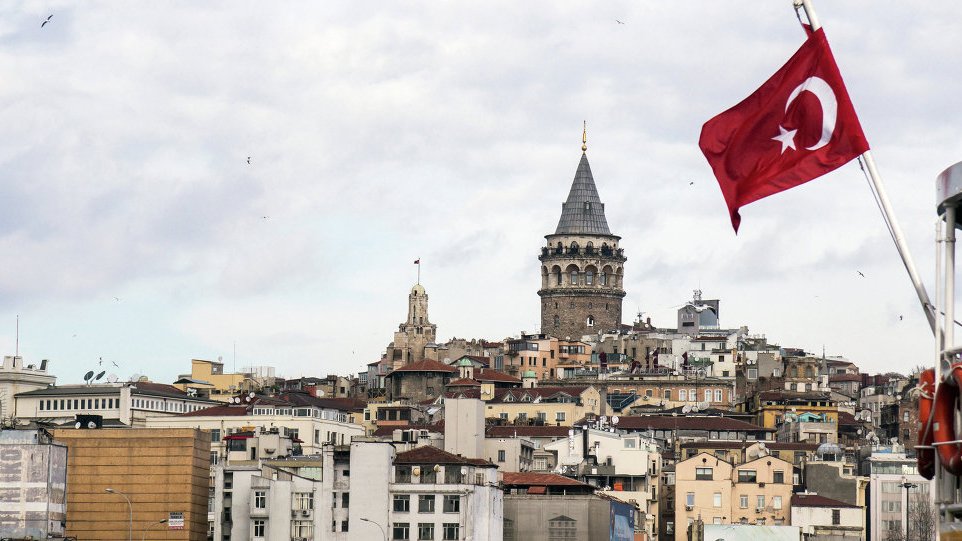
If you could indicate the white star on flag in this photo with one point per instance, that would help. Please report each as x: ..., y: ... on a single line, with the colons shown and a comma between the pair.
x: 786, y: 138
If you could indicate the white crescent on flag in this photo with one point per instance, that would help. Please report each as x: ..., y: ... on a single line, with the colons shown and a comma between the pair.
x: 826, y: 96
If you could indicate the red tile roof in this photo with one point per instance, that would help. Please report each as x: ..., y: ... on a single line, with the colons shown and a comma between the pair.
x: 426, y: 365
x: 527, y: 479
x: 814, y: 500
x: 490, y: 374
x: 463, y: 382
x: 728, y: 444
x: 433, y: 455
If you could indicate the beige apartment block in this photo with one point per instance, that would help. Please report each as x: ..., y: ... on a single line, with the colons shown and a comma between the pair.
x: 756, y: 492
x: 160, y: 471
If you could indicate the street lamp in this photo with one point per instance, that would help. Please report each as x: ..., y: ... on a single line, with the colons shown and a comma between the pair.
x: 149, y: 526
x: 130, y: 509
x: 905, y: 510
x: 384, y: 533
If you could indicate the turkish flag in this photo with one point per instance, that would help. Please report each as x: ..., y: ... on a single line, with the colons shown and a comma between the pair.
x: 796, y: 127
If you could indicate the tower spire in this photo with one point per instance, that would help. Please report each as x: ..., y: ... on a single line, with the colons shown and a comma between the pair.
x: 584, y: 137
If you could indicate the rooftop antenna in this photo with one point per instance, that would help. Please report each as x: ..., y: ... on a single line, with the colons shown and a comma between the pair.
x: 16, y: 352
x: 584, y: 137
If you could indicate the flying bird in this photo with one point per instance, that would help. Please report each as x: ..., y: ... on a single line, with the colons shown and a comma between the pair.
x: 900, y: 318
x: 692, y: 183
x: 860, y: 273
x: 619, y: 22
x: 115, y: 364
x: 265, y: 217
x: 117, y: 299
x: 101, y: 361
x: 248, y: 160
x: 46, y: 21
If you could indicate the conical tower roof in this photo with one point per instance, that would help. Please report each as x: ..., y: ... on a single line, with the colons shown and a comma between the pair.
x: 583, y: 212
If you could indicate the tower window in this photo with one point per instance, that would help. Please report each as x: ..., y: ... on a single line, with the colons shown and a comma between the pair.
x: 590, y: 322
x: 557, y: 321
x: 587, y: 205
x: 603, y: 279
x: 574, y: 277
x: 589, y: 277
x: 556, y: 305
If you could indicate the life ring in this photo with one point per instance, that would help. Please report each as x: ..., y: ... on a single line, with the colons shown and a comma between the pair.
x: 924, y: 451
x: 943, y: 421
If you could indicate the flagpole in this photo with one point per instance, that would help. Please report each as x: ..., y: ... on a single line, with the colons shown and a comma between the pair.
x: 885, y: 206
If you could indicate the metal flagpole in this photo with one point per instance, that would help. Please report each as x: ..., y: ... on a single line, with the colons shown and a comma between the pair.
x: 887, y: 214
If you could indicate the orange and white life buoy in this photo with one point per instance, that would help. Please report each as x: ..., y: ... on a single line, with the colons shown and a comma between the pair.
x: 943, y: 421
x: 924, y: 451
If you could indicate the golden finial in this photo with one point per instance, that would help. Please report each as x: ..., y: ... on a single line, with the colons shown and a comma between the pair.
x: 584, y: 137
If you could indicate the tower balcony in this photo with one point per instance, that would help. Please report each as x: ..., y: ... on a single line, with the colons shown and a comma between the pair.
x: 552, y: 254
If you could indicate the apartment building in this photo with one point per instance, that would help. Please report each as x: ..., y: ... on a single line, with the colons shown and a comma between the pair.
x: 16, y: 378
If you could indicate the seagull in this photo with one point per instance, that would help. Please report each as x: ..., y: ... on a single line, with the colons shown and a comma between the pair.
x: 115, y: 364
x: 265, y: 217
x: 248, y: 160
x: 101, y: 361
x: 860, y: 273
x: 900, y: 318
x: 46, y: 21
x: 117, y: 299
x: 692, y: 183
x: 619, y: 22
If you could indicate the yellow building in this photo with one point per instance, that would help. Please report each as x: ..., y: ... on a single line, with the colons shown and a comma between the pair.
x: 207, y: 378
x: 772, y: 407
x: 162, y: 472
x: 757, y: 491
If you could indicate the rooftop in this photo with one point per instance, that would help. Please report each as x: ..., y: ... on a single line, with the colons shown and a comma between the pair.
x: 426, y: 365
x: 583, y: 213
x: 433, y: 455
x: 814, y: 500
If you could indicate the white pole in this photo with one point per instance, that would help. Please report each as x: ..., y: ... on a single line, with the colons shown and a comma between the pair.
x: 949, y: 327
x: 887, y: 213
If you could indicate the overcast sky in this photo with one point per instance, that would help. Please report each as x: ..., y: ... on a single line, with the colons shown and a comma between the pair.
x: 133, y: 228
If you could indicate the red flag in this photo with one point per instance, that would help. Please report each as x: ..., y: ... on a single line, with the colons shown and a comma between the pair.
x: 796, y: 127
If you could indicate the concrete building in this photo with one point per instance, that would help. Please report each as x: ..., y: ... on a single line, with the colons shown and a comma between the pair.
x: 16, y: 378
x: 756, y: 492
x: 307, y: 419
x: 893, y: 482
x: 546, y: 507
x: 164, y: 473
x: 582, y: 267
x: 131, y: 403
x: 419, y: 380
x: 33, y: 485
x: 207, y: 379
x: 825, y: 519
x: 698, y: 316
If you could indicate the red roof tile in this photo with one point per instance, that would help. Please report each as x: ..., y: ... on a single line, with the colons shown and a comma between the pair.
x: 433, y: 455
x: 463, y: 382
x: 527, y: 479
x: 689, y: 422
x: 490, y: 374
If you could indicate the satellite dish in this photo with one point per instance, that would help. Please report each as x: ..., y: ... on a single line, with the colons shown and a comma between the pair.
x: 603, y: 419
x: 78, y: 425
x: 464, y: 471
x: 100, y: 375
x: 251, y: 395
x: 90, y: 424
x: 686, y: 408
x: 88, y: 376
x: 859, y: 432
x: 437, y: 468
x: 614, y: 420
x: 135, y: 378
x: 320, y: 394
x: 112, y: 378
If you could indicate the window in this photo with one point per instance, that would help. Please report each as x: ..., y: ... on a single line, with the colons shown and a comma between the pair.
x: 501, y: 455
x: 303, y: 528
x: 574, y: 277
x: 562, y: 528
x: 426, y: 503
x: 402, y: 474
x: 682, y: 395
x: 401, y: 530
x: 836, y: 517
x: 778, y: 476
x: 590, y: 321
x: 889, y: 506
x: 402, y: 503
x: 452, y: 504
x: 425, y: 530
x: 303, y: 501
x: 747, y: 476
x: 776, y: 502
x: 890, y: 487
x: 707, y: 395
x: 215, y: 435
x: 260, y: 499
x: 345, y: 500
x: 716, y: 499
x: 760, y: 501
x: 703, y: 474
x: 690, y: 499
x: 213, y: 458
x: 667, y: 394
x: 452, y: 531
x: 452, y: 475
x: 718, y: 395
x: 259, y: 528
x: 629, y: 443
x: 559, y: 416
x: 344, y: 524
x: 743, y: 501
x: 589, y: 278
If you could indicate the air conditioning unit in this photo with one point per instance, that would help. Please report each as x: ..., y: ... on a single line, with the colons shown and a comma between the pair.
x: 759, y: 509
x: 293, y: 513
x: 306, y: 513
x: 689, y: 508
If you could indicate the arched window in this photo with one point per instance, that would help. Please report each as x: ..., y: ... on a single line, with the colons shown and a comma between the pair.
x: 603, y: 279
x: 589, y: 277
x: 590, y: 248
x: 559, y: 249
x: 557, y: 274
x: 574, y: 277
x: 590, y: 321
x: 573, y: 249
